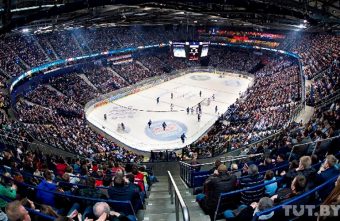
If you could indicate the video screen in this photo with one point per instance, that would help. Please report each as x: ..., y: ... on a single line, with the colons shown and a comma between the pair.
x: 179, y: 51
x: 193, y: 52
x: 204, y: 52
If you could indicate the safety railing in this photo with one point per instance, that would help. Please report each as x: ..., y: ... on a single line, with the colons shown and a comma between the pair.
x: 309, y: 148
x: 179, y: 202
x: 187, y: 170
x: 329, y: 99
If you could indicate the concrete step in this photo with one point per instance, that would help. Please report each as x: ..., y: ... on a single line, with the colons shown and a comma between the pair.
x: 172, y: 217
x: 160, y: 187
x: 158, y: 205
x: 165, y: 195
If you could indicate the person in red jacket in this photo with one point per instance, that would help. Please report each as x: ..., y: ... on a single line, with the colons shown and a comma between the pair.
x: 60, y: 167
x: 139, y: 177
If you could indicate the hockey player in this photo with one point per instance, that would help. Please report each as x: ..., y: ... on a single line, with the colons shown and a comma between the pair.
x: 171, y: 107
x: 149, y: 123
x: 157, y: 99
x: 200, y: 93
x: 213, y: 97
x: 172, y: 96
x: 105, y: 117
x: 198, y: 117
x: 183, y: 137
x: 164, y: 125
x: 192, y: 110
x: 123, y: 126
x: 188, y: 110
x: 216, y: 109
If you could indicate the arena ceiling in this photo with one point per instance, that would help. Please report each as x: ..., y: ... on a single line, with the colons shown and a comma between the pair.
x: 312, y: 15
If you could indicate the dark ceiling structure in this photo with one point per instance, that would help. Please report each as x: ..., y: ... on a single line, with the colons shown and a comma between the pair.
x: 311, y: 15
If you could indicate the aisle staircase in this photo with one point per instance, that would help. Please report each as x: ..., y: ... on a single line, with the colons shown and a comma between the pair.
x: 159, y: 207
x: 305, y: 114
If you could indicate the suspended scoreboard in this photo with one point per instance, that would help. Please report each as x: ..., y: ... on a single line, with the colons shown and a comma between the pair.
x: 190, y: 49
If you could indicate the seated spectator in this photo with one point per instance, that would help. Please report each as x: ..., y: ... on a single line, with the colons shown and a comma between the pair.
x: 122, y: 189
x: 304, y: 169
x: 333, y: 199
x: 216, y: 165
x: 253, y: 179
x: 117, y: 168
x: 245, y: 212
x: 195, y: 164
x: 270, y: 188
x: 3, y: 216
x: 280, y: 162
x: 45, y: 190
x: 101, y: 208
x: 7, y: 190
x: 90, y: 191
x: 297, y: 187
x: 219, y: 182
x: 139, y: 178
x: 326, y: 172
x: 107, y: 182
x: 235, y: 171
x: 73, y: 178
x: 266, y: 165
x: 16, y: 212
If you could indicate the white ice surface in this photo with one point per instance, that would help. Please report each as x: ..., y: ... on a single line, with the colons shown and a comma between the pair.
x: 137, y: 109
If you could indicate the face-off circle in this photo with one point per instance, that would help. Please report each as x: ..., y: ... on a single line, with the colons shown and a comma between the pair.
x: 200, y: 77
x: 173, y: 130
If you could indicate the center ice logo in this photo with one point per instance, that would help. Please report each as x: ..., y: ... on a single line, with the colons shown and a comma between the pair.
x: 172, y: 131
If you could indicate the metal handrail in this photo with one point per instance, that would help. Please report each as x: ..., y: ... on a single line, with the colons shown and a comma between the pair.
x: 178, y: 199
x: 233, y: 158
x: 187, y: 169
x: 311, y: 142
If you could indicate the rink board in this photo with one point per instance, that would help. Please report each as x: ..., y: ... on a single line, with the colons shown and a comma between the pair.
x: 135, y: 110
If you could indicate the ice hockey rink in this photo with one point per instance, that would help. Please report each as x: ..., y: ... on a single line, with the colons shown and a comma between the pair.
x: 135, y: 110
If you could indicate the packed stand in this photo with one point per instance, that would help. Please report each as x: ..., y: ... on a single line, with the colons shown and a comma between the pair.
x: 98, y: 39
x: 65, y: 129
x: 104, y: 79
x: 74, y: 87
x: 9, y: 61
x: 262, y: 110
x: 133, y: 72
x: 281, y: 174
x: 63, y: 43
x: 233, y: 59
x: 60, y: 187
x: 317, y: 51
x: 324, y: 87
x: 27, y: 49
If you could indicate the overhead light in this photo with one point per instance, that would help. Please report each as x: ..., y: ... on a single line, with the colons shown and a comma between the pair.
x: 305, y: 21
x: 25, y: 30
x: 301, y: 26
x: 195, y: 22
